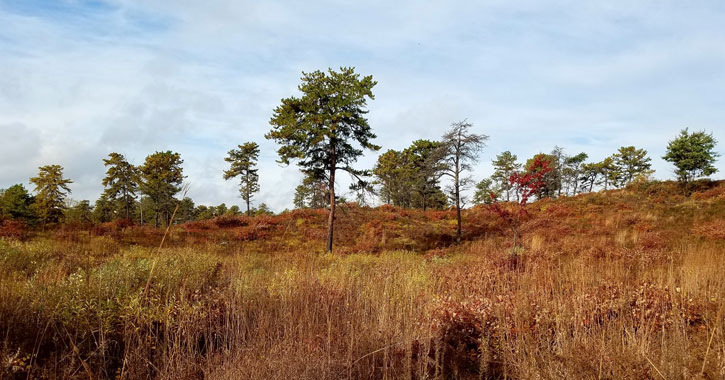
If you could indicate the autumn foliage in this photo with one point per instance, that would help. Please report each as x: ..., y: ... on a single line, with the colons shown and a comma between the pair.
x: 623, y: 284
x: 528, y: 184
x: 17, y: 229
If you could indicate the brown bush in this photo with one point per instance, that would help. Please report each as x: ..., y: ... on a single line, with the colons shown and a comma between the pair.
x: 16, y: 229
x: 711, y: 230
x: 229, y: 221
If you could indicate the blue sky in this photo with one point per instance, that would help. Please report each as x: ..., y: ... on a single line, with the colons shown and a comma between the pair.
x: 81, y: 79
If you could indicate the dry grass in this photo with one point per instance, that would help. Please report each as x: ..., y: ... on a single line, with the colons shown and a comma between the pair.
x: 609, y: 286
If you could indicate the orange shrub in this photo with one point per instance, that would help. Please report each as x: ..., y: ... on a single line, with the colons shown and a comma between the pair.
x: 227, y: 221
x: 711, y: 230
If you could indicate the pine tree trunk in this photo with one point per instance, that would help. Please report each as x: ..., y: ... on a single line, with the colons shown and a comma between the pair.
x: 246, y: 193
x: 458, y: 215
x: 508, y: 191
x: 331, y: 217
x: 125, y: 201
x: 458, y: 204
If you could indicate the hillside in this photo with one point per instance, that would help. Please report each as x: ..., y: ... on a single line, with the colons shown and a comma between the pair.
x: 613, y: 285
x: 646, y: 218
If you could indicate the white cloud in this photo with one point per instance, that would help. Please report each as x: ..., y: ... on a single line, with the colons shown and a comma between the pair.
x: 201, y: 77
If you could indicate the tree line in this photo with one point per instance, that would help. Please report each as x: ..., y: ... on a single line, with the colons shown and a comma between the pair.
x: 144, y: 194
x: 569, y: 174
x: 324, y: 131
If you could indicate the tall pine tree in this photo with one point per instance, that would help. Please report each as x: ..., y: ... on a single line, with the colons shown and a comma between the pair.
x: 325, y: 129
x: 162, y: 176
x: 121, y: 182
x: 51, y: 190
x: 243, y: 164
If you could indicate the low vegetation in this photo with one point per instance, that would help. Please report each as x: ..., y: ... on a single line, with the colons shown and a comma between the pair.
x: 621, y: 284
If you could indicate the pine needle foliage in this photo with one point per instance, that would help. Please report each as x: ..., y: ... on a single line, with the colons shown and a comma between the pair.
x: 326, y: 128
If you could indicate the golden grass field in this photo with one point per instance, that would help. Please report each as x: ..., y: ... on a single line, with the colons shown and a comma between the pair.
x: 623, y: 284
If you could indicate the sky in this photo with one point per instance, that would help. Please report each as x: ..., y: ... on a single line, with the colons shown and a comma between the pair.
x: 80, y: 79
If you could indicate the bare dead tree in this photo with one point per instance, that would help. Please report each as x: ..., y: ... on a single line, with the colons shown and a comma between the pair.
x: 459, y: 151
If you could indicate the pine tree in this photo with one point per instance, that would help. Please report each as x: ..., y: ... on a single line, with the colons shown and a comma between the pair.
x: 161, y: 176
x: 631, y: 163
x: 325, y: 130
x: 411, y: 178
x: 589, y: 175
x: 16, y: 203
x: 103, y: 210
x: 388, y: 173
x: 81, y: 213
x: 421, y: 172
x: 693, y: 154
x: 611, y: 174
x: 487, y: 191
x: 504, y: 166
x: 572, y: 171
x: 556, y: 177
x: 51, y: 191
x: 312, y: 193
x: 243, y: 164
x: 121, y: 182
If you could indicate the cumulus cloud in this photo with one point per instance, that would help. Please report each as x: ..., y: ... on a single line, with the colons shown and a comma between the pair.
x: 19, y: 149
x: 82, y: 79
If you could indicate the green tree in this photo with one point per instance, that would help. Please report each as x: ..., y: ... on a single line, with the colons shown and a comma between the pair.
x: 631, y: 163
x: 484, y: 189
x: 556, y: 177
x: 323, y: 128
x: 121, y: 183
x: 263, y: 209
x: 459, y: 150
x: 411, y: 178
x: 221, y: 210
x: 572, y: 171
x: 588, y: 176
x: 51, y: 190
x: 145, y: 209
x: 186, y: 212
x: 504, y: 166
x: 16, y: 203
x: 243, y: 164
x: 421, y: 171
x: 610, y: 172
x: 312, y: 193
x: 389, y: 174
x: 81, y: 212
x: 203, y: 212
x: 103, y: 210
x: 693, y: 154
x: 162, y: 176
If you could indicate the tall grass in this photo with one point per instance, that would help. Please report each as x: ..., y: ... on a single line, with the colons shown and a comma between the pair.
x: 394, y: 315
x: 619, y: 294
